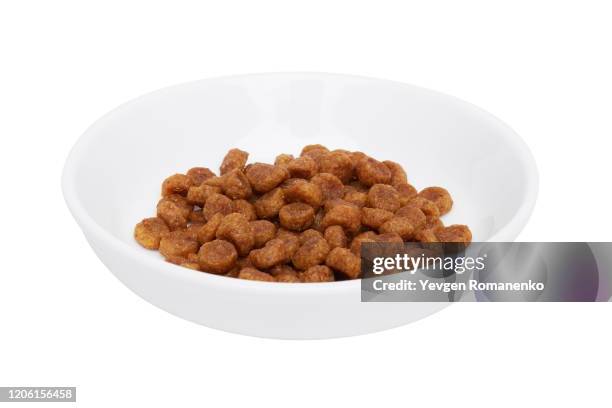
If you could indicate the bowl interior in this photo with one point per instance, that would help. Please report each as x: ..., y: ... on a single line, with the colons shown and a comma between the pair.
x: 119, y: 164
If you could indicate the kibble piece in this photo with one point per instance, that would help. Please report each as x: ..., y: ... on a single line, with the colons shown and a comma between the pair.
x: 314, y: 151
x: 236, y: 186
x: 182, y: 261
x: 430, y: 209
x: 368, y: 236
x: 264, y: 177
x: 400, y: 225
x: 245, y: 208
x: 375, y: 217
x: 236, y: 229
x: 176, y: 184
x: 330, y: 185
x: 425, y: 235
x: 269, y: 204
x: 345, y: 262
x: 192, y: 230
x: 454, y: 233
x: 303, y: 167
x: 310, y: 253
x: 174, y: 210
x: 416, y: 216
x: 199, y: 175
x: 316, y: 223
x: 283, y: 159
x: 208, y: 231
x: 217, y: 203
x: 290, y: 239
x: 300, y: 190
x: 383, y: 196
x: 217, y: 256
x: 357, y: 186
x: 336, y: 237
x: 263, y: 231
x: 296, y: 216
x: 235, y: 159
x: 177, y: 243
x: 256, y: 275
x: 215, y: 181
x: 347, y: 216
x: 196, y: 215
x: 309, y: 234
x: 284, y: 273
x: 318, y: 273
x: 398, y: 174
x: 406, y: 193
x: 199, y: 194
x: 370, y: 171
x: 273, y: 253
x: 149, y: 232
x: 390, y: 237
x: 439, y: 196
x: 356, y: 157
x: 337, y: 163
x: 359, y: 198
x: 433, y: 224
x: 329, y: 204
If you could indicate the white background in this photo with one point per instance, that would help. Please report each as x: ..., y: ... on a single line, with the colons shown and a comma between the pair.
x: 543, y: 67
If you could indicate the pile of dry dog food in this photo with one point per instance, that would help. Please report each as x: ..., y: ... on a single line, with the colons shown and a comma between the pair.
x: 301, y: 219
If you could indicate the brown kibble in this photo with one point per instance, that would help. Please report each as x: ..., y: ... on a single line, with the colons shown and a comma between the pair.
x: 296, y: 216
x: 269, y: 204
x: 425, y: 235
x: 196, y: 215
x: 176, y: 184
x: 199, y: 175
x: 256, y: 275
x: 330, y: 185
x: 454, y: 233
x: 236, y: 229
x: 337, y: 163
x: 303, y: 167
x: 347, y: 216
x: 264, y: 177
x: 368, y: 236
x: 336, y: 237
x: 263, y: 231
x: 283, y: 159
x: 217, y: 256
x: 310, y: 253
x: 192, y: 230
x: 345, y: 262
x: 299, y: 190
x: 149, y: 232
x: 318, y: 273
x: 392, y: 237
x: 406, y: 193
x: 439, y: 196
x: 430, y: 209
x: 433, y: 224
x: 370, y: 171
x: 217, y: 203
x: 245, y: 208
x: 235, y: 159
x: 316, y: 224
x: 199, y: 194
x: 273, y: 253
x: 236, y: 186
x: 384, y: 197
x: 356, y: 157
x: 359, y: 198
x: 182, y: 261
x: 314, y: 151
x: 284, y: 273
x: 415, y: 215
x: 399, y: 225
x: 177, y: 243
x: 215, y: 181
x: 291, y: 240
x: 174, y: 210
x: 375, y: 217
x: 309, y: 234
x: 398, y: 174
x: 208, y: 231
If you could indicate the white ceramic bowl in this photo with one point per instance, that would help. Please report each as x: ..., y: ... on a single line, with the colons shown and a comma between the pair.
x: 112, y: 180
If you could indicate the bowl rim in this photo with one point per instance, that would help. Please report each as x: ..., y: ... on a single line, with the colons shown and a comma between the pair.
x: 89, y: 226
